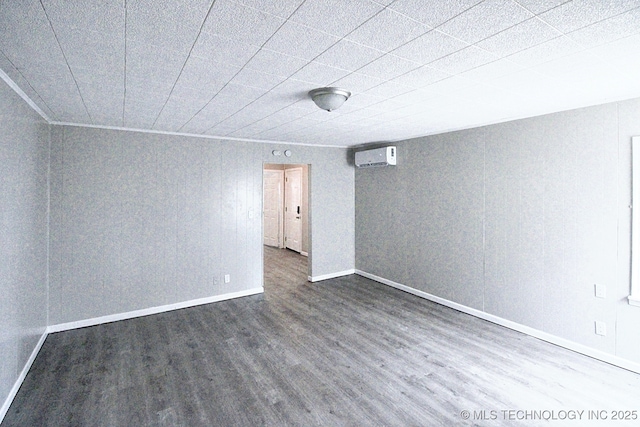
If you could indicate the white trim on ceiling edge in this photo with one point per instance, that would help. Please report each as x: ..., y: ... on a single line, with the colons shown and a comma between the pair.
x: 23, y: 95
x: 113, y: 318
x: 544, y: 336
x: 9, y: 81
x: 196, y: 135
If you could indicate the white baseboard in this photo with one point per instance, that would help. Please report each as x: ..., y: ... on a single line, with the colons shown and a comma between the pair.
x: 331, y: 275
x: 21, y: 377
x: 152, y: 310
x: 113, y: 318
x: 303, y: 253
x: 536, y: 333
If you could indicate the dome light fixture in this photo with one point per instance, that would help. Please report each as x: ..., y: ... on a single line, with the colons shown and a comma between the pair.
x: 329, y: 98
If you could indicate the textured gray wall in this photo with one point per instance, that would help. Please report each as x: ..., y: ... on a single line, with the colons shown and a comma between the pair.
x: 24, y: 158
x: 518, y: 219
x: 142, y: 220
x: 332, y: 199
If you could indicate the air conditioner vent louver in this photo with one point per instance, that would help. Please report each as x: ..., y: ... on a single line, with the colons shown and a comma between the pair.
x: 377, y: 157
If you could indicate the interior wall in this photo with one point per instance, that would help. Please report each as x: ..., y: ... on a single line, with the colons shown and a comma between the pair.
x: 331, y: 205
x: 24, y: 159
x: 142, y: 220
x: 519, y: 220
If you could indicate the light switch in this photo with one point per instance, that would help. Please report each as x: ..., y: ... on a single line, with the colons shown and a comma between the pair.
x: 601, y: 291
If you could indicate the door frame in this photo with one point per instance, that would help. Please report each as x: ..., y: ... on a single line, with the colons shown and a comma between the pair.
x: 280, y: 202
x: 309, y: 213
x: 299, y: 223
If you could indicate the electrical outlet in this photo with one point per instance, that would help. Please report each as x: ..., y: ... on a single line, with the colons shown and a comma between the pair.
x: 601, y: 291
x: 227, y: 278
x: 601, y: 328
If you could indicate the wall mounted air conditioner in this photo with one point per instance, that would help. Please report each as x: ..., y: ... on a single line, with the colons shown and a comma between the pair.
x: 384, y: 156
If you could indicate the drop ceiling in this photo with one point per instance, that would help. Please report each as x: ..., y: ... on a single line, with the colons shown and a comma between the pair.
x: 242, y: 69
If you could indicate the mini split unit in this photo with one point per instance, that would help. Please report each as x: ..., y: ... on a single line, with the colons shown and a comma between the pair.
x: 385, y: 156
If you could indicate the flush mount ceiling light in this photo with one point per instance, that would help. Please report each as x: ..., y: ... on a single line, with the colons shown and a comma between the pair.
x: 329, y: 98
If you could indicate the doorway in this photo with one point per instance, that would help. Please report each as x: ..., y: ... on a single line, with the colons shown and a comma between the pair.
x: 286, y: 215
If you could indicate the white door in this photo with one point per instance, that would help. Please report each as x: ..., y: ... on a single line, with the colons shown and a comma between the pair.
x: 272, y: 207
x: 292, y: 209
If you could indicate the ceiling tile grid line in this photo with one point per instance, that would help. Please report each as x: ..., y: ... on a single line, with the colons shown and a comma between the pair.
x: 183, y: 65
x: 319, y: 55
x: 243, y: 68
x: 231, y: 115
x: 55, y: 36
x: 345, y: 37
x: 364, y: 65
x: 249, y: 60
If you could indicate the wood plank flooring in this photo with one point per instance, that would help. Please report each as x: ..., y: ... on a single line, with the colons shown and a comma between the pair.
x: 343, y: 352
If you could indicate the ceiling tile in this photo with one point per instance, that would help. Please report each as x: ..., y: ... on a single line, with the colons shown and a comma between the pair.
x: 254, y: 80
x: 337, y: 17
x: 241, y: 23
x: 54, y: 83
x: 450, y: 85
x: 275, y: 62
x: 91, y: 49
x: 257, y: 79
x: 357, y: 102
x: 463, y: 60
x: 485, y: 20
x: 432, y: 12
x: 580, y: 13
x: 26, y: 38
x: 178, y: 110
x: 488, y: 72
x: 421, y: 76
x: 23, y: 83
x: 218, y: 49
x: 104, y: 16
x: 237, y: 91
x: 173, y: 24
x: 414, y: 97
x: 429, y: 47
x: 154, y: 63
x: 523, y: 80
x: 567, y: 64
x: 319, y: 74
x: 519, y: 37
x: 105, y: 77
x: 388, y: 67
x: 358, y: 83
x: 605, y: 31
x: 309, y: 43
x: 281, y: 8
x: 348, y: 55
x: 387, y: 30
x: 539, y: 6
x: 198, y: 75
x: 388, y: 90
x: 548, y: 51
x: 625, y: 53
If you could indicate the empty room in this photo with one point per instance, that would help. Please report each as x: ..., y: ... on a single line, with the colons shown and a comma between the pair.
x: 319, y: 213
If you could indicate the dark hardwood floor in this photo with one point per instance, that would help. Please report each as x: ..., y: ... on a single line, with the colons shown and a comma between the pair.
x: 343, y: 352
